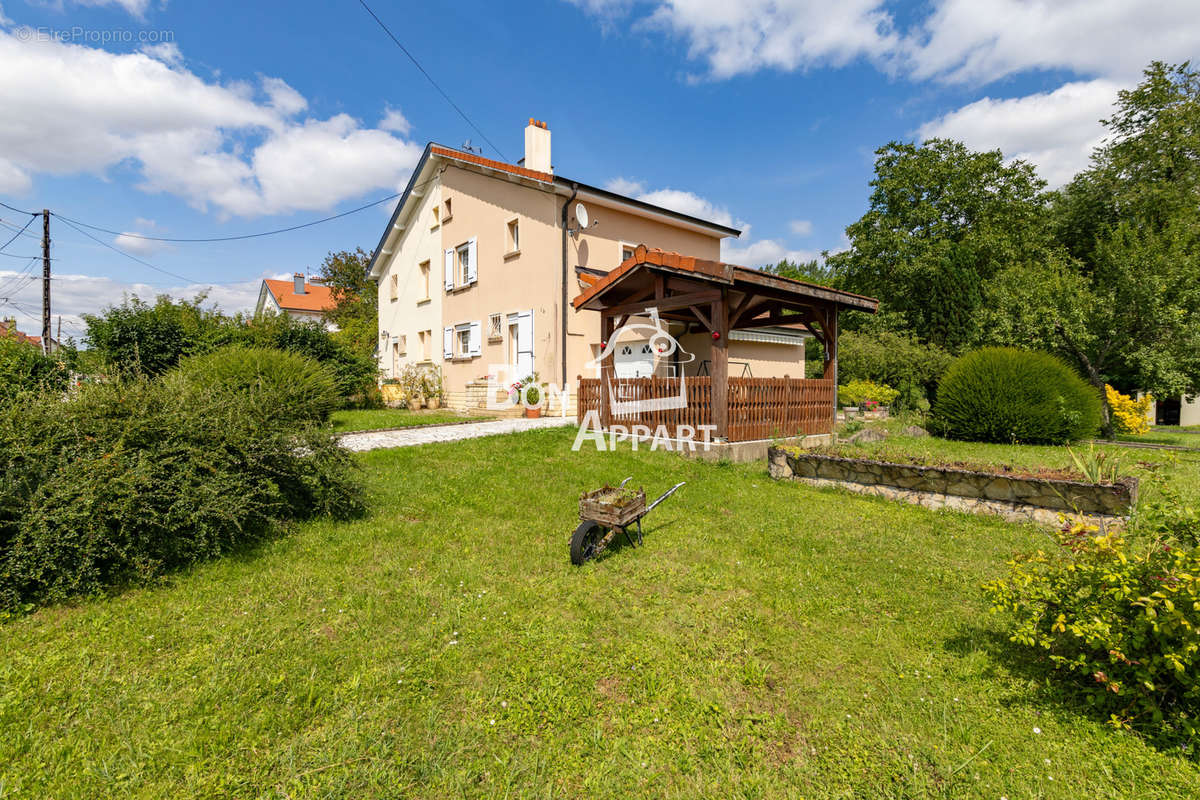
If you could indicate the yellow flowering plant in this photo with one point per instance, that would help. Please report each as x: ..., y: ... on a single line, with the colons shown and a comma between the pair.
x: 1129, y: 415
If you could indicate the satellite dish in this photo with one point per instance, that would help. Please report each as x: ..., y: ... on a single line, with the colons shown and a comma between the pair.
x: 581, y: 215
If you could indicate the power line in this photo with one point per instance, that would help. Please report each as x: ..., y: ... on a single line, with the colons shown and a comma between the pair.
x: 128, y: 255
x: 19, y: 210
x: 230, y: 238
x: 18, y: 233
x: 13, y: 227
x: 429, y: 77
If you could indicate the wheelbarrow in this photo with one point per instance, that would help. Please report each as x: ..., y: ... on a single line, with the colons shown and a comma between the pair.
x: 607, y: 511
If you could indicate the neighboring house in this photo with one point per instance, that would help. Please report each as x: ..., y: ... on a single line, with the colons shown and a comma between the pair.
x: 480, y: 260
x: 8, y: 328
x: 297, y: 298
x: 1176, y: 411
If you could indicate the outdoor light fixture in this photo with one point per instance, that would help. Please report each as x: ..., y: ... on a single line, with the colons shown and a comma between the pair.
x: 716, y: 335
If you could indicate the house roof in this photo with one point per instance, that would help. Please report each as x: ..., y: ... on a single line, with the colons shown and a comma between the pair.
x: 315, y: 298
x: 719, y: 272
x: 557, y: 183
x: 9, y: 328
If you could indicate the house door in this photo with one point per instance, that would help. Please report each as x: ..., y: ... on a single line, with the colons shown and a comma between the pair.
x: 520, y: 343
x: 1166, y: 412
x: 634, y: 360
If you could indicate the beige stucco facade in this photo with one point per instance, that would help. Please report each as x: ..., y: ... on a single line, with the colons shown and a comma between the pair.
x: 501, y: 309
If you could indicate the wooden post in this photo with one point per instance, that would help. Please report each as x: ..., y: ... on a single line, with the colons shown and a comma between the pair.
x: 720, y: 364
x: 831, y: 353
x: 607, y: 328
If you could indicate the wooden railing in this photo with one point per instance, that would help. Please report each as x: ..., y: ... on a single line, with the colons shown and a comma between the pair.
x: 759, y: 408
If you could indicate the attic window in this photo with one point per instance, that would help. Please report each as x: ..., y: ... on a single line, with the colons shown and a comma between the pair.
x: 447, y: 211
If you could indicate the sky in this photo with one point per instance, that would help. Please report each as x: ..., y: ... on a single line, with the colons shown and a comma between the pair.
x: 215, y: 119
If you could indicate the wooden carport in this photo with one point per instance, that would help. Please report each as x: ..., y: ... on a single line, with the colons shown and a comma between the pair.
x: 719, y: 298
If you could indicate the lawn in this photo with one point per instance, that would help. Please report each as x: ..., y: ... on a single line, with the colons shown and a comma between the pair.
x: 1180, y: 437
x: 380, y: 418
x: 770, y: 640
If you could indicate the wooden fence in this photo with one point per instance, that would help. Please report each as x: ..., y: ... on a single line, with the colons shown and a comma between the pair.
x: 759, y: 408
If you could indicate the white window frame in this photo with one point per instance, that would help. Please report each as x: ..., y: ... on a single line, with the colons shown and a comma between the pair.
x: 462, y: 264
x: 462, y: 340
x: 496, y: 327
x: 512, y: 243
x: 621, y: 248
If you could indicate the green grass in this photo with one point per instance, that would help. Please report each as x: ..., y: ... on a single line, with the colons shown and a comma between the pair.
x: 1180, y: 437
x: 770, y: 640
x: 378, y: 418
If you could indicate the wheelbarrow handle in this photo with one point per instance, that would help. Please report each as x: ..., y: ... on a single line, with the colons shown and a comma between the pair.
x: 621, y: 485
x: 664, y: 496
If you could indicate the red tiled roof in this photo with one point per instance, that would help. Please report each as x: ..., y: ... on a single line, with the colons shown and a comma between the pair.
x: 533, y: 174
x: 725, y: 273
x: 10, y: 329
x: 315, y: 298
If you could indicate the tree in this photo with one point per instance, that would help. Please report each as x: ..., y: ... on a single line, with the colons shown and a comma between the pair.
x: 1124, y: 301
x: 139, y: 339
x: 813, y: 271
x: 355, y: 296
x: 942, y: 220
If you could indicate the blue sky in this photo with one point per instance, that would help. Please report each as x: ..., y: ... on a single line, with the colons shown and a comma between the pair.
x: 220, y: 118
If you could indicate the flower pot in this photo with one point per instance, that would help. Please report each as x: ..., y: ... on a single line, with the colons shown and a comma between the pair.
x: 433, y: 402
x: 533, y: 413
x: 414, y: 403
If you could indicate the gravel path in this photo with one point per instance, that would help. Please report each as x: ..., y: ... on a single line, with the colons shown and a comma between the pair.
x: 374, y: 440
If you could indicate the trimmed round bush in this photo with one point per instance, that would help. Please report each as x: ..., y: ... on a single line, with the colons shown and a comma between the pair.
x: 286, y: 386
x: 1001, y: 394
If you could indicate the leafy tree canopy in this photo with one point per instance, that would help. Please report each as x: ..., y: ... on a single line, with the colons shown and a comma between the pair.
x: 355, y: 296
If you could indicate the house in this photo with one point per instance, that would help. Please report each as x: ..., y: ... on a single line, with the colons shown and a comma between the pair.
x: 297, y: 298
x: 1184, y: 411
x: 480, y: 259
x: 8, y: 328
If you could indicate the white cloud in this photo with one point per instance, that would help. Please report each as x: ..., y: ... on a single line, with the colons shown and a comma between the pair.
x: 3, y: 19
x: 76, y: 295
x: 135, y: 7
x: 1055, y: 130
x: 166, y: 52
x: 130, y: 242
x: 972, y: 41
x: 227, y: 146
x: 625, y: 186
x: 675, y: 199
x: 744, y: 37
x: 395, y: 122
x: 965, y: 41
x: 761, y: 252
x: 801, y: 227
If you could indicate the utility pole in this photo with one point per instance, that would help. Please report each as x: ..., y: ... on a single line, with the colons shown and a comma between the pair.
x: 46, y: 281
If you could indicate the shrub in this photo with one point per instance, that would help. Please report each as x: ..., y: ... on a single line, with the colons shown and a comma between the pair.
x: 857, y: 393
x: 1000, y: 394
x: 1123, y: 627
x: 1128, y: 415
x: 289, y: 386
x: 139, y: 339
x: 25, y: 369
x: 354, y: 372
x: 127, y: 481
x: 893, y: 359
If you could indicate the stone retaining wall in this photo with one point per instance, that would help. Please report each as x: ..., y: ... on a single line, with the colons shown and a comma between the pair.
x: 1014, y: 498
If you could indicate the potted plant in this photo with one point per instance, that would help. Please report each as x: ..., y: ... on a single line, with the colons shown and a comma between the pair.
x: 432, y: 387
x: 528, y: 392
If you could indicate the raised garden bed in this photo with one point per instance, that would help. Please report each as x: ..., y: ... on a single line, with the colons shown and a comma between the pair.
x: 1019, y: 495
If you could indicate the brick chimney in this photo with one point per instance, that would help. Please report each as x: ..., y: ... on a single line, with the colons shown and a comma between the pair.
x: 537, y: 146
x: 298, y: 282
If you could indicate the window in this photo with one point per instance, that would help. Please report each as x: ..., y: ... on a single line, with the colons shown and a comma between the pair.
x: 437, y: 218
x: 465, y: 268
x: 495, y: 332
x: 514, y: 237
x: 424, y: 268
x: 402, y: 345
x: 627, y: 251
x: 395, y: 286
x: 462, y: 340
x: 446, y: 211
x: 425, y: 339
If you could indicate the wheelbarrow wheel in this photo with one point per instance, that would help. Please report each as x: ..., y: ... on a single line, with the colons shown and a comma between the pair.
x: 585, y: 542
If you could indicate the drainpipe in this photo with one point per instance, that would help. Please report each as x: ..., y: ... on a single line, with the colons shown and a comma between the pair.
x: 563, y: 340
